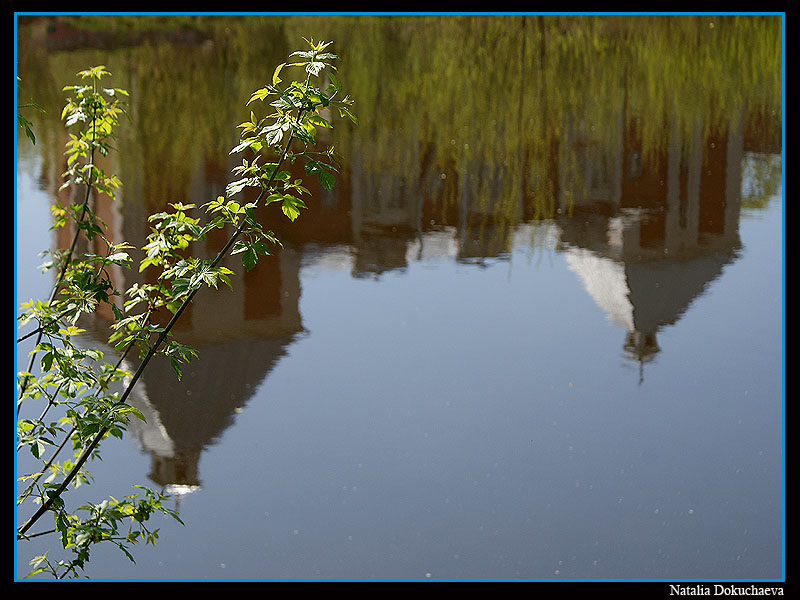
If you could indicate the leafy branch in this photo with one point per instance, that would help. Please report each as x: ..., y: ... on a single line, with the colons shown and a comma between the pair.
x: 101, y: 108
x: 77, y: 379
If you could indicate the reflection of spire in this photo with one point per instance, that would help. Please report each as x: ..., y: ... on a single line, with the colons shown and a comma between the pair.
x: 606, y: 283
x: 641, y: 347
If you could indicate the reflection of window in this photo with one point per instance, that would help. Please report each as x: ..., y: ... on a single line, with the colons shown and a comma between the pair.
x: 683, y: 206
x: 652, y: 231
x: 635, y: 165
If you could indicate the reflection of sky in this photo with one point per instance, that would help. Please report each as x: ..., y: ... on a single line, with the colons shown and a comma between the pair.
x: 508, y: 443
x: 30, y: 240
x: 463, y: 422
x: 758, y: 178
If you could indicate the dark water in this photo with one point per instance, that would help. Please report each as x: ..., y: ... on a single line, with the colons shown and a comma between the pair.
x: 536, y: 331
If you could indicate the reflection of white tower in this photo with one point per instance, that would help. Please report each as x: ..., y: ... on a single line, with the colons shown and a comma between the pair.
x: 604, y: 279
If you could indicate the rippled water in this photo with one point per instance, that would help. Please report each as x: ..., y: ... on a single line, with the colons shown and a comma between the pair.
x: 433, y: 381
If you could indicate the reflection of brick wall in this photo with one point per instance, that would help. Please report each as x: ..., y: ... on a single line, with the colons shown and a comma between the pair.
x: 702, y: 180
x: 262, y: 286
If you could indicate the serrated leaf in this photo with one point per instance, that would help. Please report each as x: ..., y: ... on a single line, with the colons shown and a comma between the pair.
x: 326, y: 180
x: 290, y: 211
x: 249, y: 259
x: 291, y: 206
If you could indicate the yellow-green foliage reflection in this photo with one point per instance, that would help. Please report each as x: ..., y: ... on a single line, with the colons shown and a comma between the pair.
x: 458, y: 109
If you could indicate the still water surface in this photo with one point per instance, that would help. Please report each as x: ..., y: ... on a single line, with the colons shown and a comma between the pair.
x: 486, y: 354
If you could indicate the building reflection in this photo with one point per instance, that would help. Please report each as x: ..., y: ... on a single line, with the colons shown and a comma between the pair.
x: 239, y: 340
x: 646, y: 235
x: 647, y: 238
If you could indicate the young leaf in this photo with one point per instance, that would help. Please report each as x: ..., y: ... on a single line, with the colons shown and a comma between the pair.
x: 291, y: 206
x: 319, y: 121
x: 276, y: 197
x: 275, y: 79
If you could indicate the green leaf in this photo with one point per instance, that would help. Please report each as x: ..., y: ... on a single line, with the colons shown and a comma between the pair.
x: 290, y: 211
x: 249, y: 259
x: 37, y: 449
x: 176, y: 365
x: 319, y: 121
x: 138, y: 414
x: 259, y: 95
x: 327, y: 180
x: 275, y: 79
x: 344, y: 112
x: 291, y: 206
x: 239, y: 246
x: 262, y: 248
x: 334, y: 86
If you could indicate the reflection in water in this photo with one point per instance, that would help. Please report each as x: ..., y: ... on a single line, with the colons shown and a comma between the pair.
x: 644, y: 206
x: 644, y: 243
x: 240, y: 335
